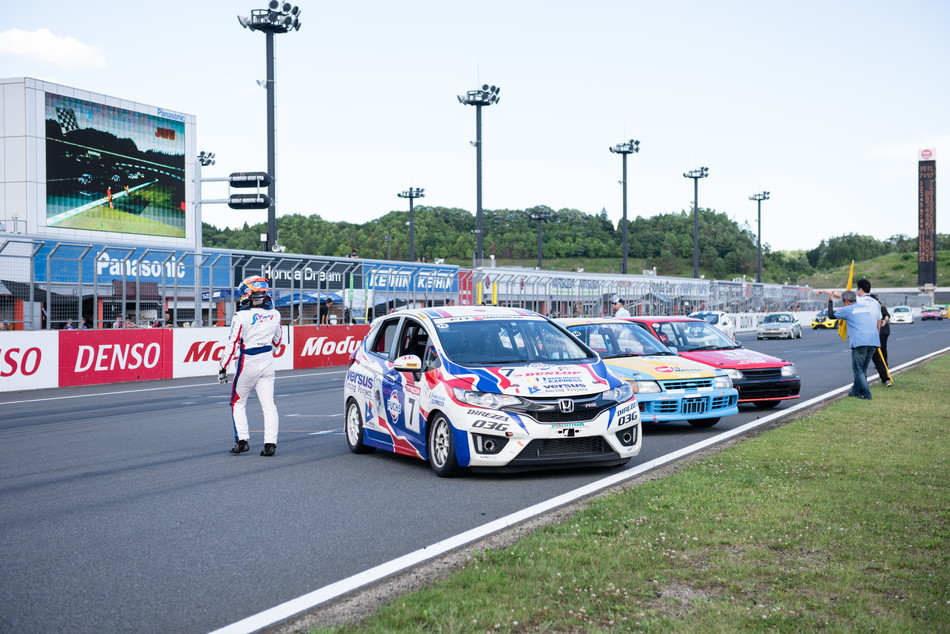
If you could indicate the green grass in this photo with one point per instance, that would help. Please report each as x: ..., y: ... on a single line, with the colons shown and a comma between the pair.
x: 834, y: 522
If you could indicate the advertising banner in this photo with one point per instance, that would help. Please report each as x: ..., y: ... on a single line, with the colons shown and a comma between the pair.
x: 91, y: 357
x: 198, y: 352
x: 28, y: 360
x: 320, y: 347
x: 412, y: 278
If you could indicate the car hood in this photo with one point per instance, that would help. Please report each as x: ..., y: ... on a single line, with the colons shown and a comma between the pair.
x: 537, y: 380
x: 659, y: 367
x: 738, y: 358
x: 775, y: 326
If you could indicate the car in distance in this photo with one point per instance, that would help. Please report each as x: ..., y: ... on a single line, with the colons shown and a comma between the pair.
x: 668, y: 388
x: 485, y: 387
x: 779, y: 326
x: 719, y: 319
x: 822, y: 320
x: 760, y: 378
x: 902, y: 315
x: 931, y: 312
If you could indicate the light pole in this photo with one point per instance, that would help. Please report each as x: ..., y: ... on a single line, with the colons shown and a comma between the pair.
x: 279, y: 17
x: 412, y: 194
x: 388, y: 238
x: 484, y: 96
x: 627, y: 147
x: 540, y: 214
x: 702, y: 172
x: 759, y: 198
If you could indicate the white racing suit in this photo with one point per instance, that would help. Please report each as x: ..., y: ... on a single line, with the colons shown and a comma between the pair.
x: 255, y: 336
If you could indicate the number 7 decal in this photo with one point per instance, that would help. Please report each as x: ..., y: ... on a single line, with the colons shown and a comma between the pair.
x: 412, y: 414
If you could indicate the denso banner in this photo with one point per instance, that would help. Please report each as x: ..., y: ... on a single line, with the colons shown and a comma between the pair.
x: 28, y: 360
x: 198, y: 352
x: 88, y: 357
x: 319, y: 347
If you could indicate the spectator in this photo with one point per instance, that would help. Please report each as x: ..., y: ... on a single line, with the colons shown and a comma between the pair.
x: 169, y: 322
x: 325, y: 310
x: 119, y: 322
x: 619, y: 307
x: 880, y: 357
x: 3, y: 325
x: 353, y: 254
x: 84, y: 324
x: 863, y: 321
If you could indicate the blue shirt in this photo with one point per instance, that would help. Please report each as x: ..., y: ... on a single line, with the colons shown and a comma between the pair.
x: 862, y: 318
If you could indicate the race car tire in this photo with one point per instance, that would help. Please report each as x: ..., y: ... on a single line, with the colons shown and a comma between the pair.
x: 703, y: 422
x: 765, y: 404
x: 441, y: 448
x: 353, y: 429
x: 799, y: 335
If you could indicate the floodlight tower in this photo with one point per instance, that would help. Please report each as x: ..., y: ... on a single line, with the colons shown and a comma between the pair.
x: 540, y: 214
x: 484, y: 96
x: 759, y: 198
x: 702, y: 172
x: 412, y: 194
x: 627, y: 147
x: 279, y: 17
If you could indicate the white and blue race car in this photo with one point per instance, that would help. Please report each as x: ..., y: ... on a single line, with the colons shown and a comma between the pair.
x: 486, y: 387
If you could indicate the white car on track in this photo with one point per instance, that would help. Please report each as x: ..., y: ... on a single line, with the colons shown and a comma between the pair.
x: 486, y: 387
x: 902, y: 315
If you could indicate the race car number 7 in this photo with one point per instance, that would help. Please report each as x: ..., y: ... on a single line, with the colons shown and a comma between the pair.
x: 412, y: 414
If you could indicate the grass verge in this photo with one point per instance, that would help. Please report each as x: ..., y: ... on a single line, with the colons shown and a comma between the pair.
x: 834, y: 522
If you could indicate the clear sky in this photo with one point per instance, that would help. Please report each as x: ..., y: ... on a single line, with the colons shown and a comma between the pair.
x: 825, y: 104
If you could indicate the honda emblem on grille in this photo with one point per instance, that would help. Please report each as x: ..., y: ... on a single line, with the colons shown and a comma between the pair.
x: 566, y: 405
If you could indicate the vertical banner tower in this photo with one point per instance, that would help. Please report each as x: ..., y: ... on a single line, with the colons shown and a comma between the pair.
x: 927, y: 218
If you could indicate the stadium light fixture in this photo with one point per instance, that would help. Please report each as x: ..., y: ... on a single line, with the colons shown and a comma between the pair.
x: 540, y: 214
x: 278, y: 17
x: 759, y: 198
x: 702, y: 172
x: 481, y: 97
x: 412, y: 194
x: 627, y: 147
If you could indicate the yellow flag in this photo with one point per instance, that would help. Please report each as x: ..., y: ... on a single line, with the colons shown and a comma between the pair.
x: 842, y: 325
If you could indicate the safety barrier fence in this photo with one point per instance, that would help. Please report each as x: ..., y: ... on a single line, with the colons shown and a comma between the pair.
x: 49, y: 285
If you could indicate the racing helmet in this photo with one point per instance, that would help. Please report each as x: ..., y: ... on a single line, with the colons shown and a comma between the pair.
x: 254, y: 291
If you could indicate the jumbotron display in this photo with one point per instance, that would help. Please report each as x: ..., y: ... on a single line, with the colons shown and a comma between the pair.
x: 111, y: 169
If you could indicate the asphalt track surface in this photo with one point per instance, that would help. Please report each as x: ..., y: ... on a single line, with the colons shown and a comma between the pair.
x: 122, y: 510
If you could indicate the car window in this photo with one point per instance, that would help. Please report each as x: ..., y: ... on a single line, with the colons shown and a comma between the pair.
x: 383, y: 342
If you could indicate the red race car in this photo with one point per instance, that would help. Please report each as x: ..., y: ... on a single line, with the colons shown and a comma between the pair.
x: 761, y: 379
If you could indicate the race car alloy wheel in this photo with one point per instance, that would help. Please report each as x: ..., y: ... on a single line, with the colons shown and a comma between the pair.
x: 354, y: 429
x: 442, y: 448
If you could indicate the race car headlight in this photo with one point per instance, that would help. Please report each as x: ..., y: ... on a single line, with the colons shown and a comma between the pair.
x: 723, y: 380
x: 620, y: 394
x: 733, y: 374
x: 486, y: 399
x: 789, y: 370
x: 648, y: 387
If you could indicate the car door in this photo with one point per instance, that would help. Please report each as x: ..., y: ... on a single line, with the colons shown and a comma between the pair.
x: 405, y: 394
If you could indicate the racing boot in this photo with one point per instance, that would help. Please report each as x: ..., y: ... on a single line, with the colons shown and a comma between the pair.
x: 240, y: 447
x: 269, y: 449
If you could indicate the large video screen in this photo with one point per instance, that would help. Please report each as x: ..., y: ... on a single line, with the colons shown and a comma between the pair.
x: 111, y: 169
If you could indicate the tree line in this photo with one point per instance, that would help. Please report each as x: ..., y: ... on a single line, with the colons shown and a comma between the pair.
x: 726, y: 249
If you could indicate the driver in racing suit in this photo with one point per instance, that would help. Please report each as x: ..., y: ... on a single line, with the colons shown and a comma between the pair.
x: 255, y: 336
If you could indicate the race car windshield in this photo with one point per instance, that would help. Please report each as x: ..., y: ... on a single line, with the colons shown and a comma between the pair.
x: 712, y: 318
x: 505, y: 342
x: 614, y: 341
x: 693, y: 335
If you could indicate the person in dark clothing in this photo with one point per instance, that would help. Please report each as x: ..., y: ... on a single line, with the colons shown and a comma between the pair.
x: 880, y: 357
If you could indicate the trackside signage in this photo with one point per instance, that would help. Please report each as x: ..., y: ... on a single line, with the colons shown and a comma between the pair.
x: 316, y: 347
x: 28, y: 360
x: 32, y: 360
x: 113, y: 356
x: 198, y: 352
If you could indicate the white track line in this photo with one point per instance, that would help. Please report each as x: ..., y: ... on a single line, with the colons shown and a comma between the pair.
x: 310, y: 600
